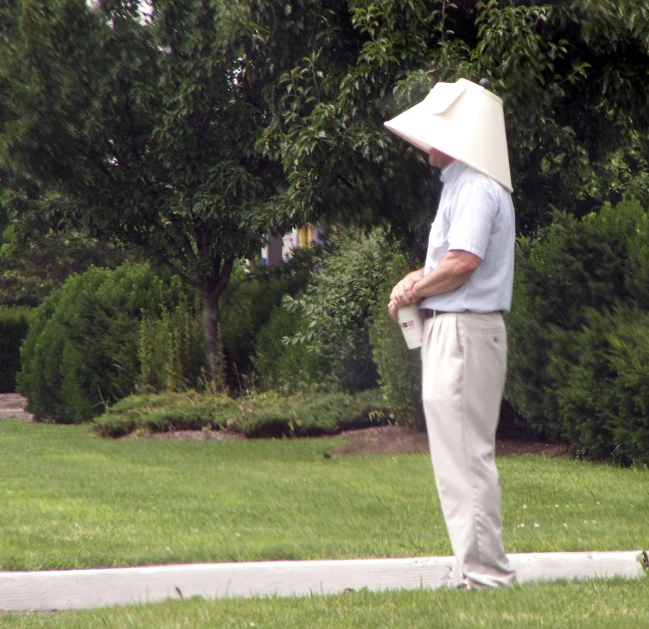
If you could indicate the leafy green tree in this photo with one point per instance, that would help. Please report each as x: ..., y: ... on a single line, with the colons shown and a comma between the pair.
x: 138, y: 131
x: 30, y: 268
x: 572, y: 76
x: 36, y: 253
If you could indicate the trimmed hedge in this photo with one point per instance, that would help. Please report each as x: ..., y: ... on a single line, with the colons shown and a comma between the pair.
x: 601, y: 382
x: 577, y: 332
x: 263, y: 415
x: 81, y: 352
x: 14, y: 324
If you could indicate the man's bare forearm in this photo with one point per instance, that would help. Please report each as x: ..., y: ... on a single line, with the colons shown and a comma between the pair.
x: 454, y: 270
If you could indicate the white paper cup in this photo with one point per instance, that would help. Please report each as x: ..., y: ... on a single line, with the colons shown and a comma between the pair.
x: 411, y: 325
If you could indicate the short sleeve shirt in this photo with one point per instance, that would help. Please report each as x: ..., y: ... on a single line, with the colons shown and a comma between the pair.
x: 475, y: 214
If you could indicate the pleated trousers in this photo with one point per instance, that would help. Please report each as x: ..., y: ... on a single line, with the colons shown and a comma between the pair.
x: 464, y: 359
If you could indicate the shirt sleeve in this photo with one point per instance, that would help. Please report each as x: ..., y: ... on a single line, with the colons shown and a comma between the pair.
x: 472, y: 218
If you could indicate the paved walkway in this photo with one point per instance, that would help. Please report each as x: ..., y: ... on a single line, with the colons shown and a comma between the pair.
x: 81, y: 589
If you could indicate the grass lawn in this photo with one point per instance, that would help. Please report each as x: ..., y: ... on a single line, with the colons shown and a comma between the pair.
x: 71, y: 499
x: 614, y: 604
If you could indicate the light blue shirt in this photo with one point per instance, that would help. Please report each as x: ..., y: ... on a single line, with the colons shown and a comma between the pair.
x: 475, y: 214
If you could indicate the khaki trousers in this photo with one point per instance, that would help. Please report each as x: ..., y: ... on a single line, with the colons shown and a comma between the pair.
x: 464, y: 358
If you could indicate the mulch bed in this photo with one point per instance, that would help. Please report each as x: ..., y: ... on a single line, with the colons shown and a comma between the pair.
x: 401, y: 440
x: 375, y: 440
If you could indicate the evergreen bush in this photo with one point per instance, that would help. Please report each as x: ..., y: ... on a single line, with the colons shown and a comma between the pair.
x: 399, y: 367
x: 81, y: 353
x: 258, y: 415
x: 14, y: 323
x: 629, y: 358
x: 580, y: 299
x: 602, y: 385
x: 152, y: 412
x: 575, y: 264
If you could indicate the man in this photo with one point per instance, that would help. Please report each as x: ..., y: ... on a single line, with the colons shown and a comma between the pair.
x: 463, y: 290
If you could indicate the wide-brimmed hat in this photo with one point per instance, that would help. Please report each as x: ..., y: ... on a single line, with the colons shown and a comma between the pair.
x: 463, y: 120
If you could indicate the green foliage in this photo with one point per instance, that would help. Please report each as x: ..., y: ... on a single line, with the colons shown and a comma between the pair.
x: 36, y: 260
x: 338, y: 304
x: 81, y: 352
x: 171, y: 349
x: 601, y: 375
x: 571, y: 74
x: 629, y: 359
x: 259, y: 415
x: 138, y: 132
x: 281, y: 365
x: 399, y: 367
x: 166, y: 411
x: 567, y: 376
x: 247, y: 305
x: 309, y: 414
x: 14, y: 323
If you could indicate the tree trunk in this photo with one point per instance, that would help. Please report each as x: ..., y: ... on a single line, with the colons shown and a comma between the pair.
x: 211, y: 291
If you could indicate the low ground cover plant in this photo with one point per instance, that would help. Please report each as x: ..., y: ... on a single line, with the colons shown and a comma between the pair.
x: 267, y: 414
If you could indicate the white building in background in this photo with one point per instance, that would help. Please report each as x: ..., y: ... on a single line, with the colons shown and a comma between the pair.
x: 279, y: 248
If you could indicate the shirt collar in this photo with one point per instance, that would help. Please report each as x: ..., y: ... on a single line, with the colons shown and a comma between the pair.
x: 452, y: 172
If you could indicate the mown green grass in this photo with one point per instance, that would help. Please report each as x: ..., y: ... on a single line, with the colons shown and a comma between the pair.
x: 614, y: 604
x: 71, y: 499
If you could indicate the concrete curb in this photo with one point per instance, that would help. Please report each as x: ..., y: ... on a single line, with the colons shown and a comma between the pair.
x: 82, y: 589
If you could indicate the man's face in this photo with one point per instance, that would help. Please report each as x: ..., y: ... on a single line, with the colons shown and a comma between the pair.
x: 437, y: 159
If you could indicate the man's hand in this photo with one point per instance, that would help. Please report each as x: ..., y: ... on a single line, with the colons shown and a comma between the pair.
x: 402, y: 294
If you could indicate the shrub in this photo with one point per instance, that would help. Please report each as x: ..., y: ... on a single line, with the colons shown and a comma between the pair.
x: 582, y: 381
x: 14, y: 323
x: 258, y: 415
x: 602, y: 385
x: 309, y: 414
x: 246, y: 307
x: 337, y: 305
x: 166, y: 411
x: 282, y: 365
x: 595, y: 262
x: 629, y: 358
x: 81, y: 353
x: 399, y: 368
x: 580, y: 303
x: 171, y: 349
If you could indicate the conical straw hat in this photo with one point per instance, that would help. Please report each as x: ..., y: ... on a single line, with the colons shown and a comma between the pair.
x: 463, y: 120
